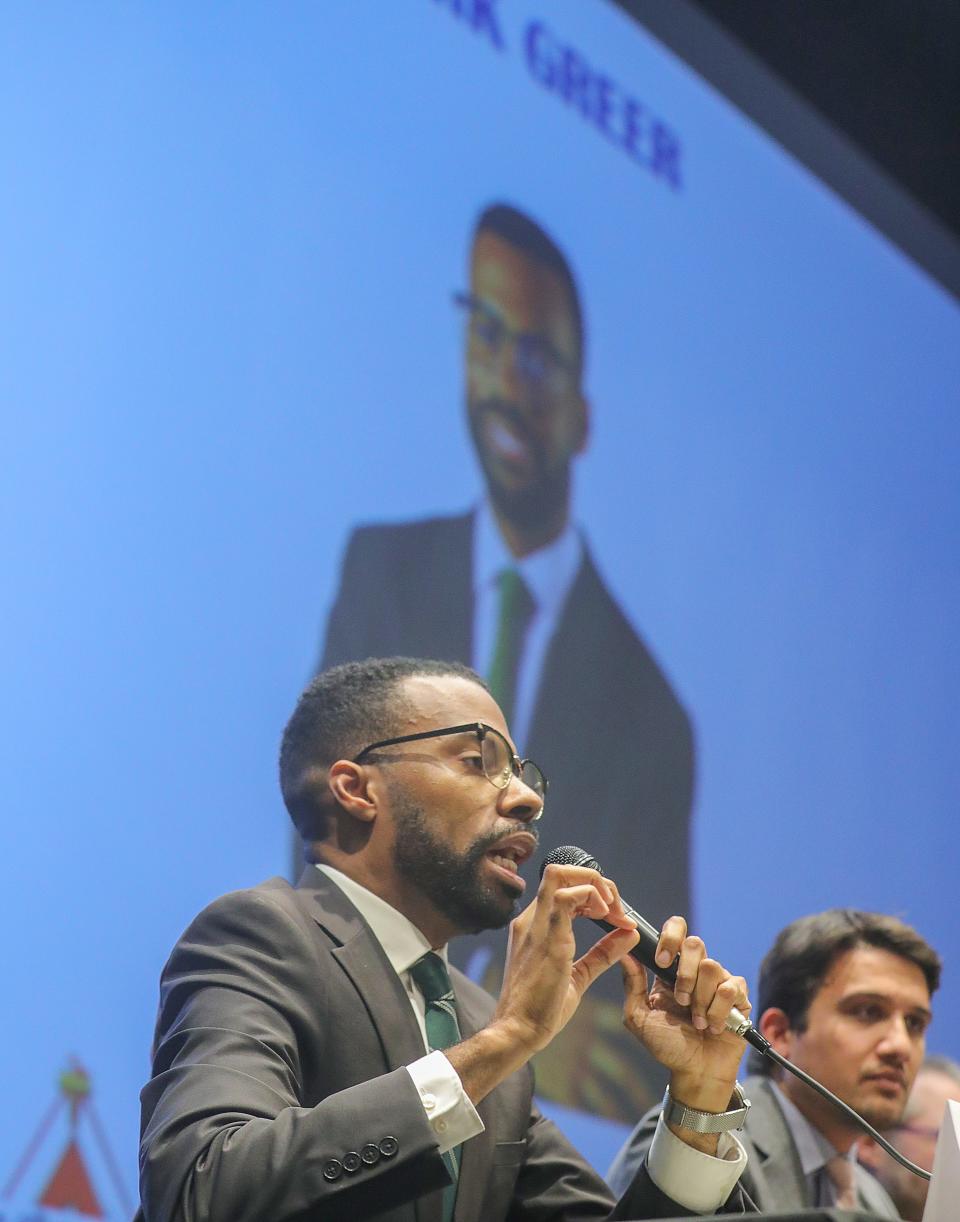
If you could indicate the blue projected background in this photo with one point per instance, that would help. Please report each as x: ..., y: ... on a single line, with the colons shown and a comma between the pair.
x: 230, y: 240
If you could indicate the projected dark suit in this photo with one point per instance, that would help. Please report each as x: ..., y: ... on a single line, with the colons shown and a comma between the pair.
x: 607, y: 730
x: 278, y: 1086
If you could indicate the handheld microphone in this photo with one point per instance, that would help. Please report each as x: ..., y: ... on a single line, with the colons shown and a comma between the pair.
x: 646, y: 949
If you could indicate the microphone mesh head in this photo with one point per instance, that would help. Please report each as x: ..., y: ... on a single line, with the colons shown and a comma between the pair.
x: 570, y: 855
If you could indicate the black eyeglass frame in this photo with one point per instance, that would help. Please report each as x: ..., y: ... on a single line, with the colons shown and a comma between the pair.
x: 481, y: 729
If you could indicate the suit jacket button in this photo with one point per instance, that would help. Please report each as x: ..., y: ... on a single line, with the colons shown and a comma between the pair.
x: 332, y: 1169
x: 351, y: 1162
x: 369, y: 1155
x: 389, y: 1146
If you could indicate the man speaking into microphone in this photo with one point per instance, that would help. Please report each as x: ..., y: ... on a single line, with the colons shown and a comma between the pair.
x: 316, y: 1057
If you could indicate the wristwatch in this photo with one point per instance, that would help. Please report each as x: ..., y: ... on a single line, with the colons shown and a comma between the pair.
x: 707, y: 1122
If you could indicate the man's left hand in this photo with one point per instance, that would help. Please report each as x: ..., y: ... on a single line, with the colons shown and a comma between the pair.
x: 683, y: 1026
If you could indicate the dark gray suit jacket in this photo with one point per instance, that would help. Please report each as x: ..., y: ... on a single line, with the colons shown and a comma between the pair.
x: 773, y: 1180
x: 607, y: 729
x: 279, y: 1052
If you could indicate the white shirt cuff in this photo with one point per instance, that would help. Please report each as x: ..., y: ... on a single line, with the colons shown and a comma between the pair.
x: 449, y: 1111
x: 696, y: 1181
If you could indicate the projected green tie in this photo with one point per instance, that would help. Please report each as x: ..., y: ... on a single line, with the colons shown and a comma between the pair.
x: 431, y: 978
x: 516, y: 609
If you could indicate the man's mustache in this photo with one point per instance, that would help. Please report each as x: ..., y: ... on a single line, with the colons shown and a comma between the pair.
x: 479, y: 847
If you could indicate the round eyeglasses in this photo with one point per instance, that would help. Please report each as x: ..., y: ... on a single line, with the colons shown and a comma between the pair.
x: 536, y: 358
x: 497, y: 757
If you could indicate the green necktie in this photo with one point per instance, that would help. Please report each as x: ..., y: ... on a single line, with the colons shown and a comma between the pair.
x: 516, y: 608
x: 431, y: 978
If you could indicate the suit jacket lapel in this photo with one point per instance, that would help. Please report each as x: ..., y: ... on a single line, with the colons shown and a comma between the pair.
x: 779, y: 1176
x: 363, y: 960
x: 873, y: 1196
x: 567, y: 648
x: 364, y: 963
x: 461, y: 593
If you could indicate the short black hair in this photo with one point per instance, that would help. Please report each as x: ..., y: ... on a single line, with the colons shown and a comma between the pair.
x: 338, y: 714
x: 526, y: 234
x: 795, y: 967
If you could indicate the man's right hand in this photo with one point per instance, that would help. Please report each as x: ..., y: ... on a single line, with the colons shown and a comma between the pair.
x: 543, y: 982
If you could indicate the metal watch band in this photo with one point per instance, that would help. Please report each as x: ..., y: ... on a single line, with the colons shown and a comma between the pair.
x: 707, y: 1122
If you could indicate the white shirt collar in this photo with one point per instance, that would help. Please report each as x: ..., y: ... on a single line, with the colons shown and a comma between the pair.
x: 548, y: 572
x: 402, y: 942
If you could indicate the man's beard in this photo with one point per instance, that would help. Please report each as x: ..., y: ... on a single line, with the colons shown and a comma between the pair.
x: 545, y: 495
x: 451, y: 881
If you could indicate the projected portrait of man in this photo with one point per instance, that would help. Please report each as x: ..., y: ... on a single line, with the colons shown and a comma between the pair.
x: 510, y: 588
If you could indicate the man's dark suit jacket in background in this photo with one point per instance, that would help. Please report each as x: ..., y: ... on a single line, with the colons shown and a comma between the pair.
x: 773, y: 1179
x: 608, y: 731
x: 279, y: 1053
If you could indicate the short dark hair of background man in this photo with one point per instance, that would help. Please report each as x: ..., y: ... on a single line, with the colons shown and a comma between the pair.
x: 845, y: 995
x: 581, y: 690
